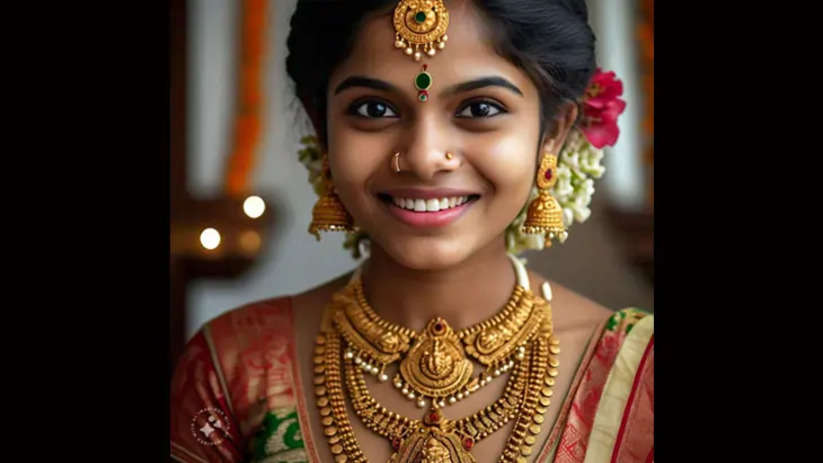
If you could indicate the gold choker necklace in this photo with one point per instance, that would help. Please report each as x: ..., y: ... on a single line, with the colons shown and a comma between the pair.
x: 435, y: 370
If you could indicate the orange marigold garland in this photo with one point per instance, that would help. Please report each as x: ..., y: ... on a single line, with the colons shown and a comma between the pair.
x: 247, y: 124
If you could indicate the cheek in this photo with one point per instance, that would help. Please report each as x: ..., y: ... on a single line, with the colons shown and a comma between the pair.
x: 354, y: 160
x: 508, y: 164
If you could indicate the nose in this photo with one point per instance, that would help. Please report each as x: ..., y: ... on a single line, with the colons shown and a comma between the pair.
x: 423, y: 151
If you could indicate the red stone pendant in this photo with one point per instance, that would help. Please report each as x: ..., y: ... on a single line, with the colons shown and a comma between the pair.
x: 468, y: 443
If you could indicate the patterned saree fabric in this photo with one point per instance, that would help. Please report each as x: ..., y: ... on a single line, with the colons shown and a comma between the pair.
x: 237, y: 397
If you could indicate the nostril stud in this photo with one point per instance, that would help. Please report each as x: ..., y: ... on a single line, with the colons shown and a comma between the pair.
x: 449, y: 156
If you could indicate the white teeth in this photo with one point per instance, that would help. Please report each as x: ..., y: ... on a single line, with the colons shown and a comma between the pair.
x: 429, y: 205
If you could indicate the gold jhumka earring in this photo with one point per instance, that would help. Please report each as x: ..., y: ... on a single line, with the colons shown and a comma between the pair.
x: 328, y: 213
x: 545, y: 216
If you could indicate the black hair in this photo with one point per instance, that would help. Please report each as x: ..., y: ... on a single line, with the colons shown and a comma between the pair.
x: 550, y: 40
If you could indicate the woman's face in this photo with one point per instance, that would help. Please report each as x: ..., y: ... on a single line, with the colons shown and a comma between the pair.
x: 481, y: 108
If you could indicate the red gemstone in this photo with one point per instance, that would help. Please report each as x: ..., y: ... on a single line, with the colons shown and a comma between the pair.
x: 425, y: 66
x: 468, y: 443
x: 549, y: 174
x: 434, y: 416
x: 395, y: 443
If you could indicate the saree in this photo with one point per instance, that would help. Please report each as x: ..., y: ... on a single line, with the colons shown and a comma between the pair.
x: 236, y: 394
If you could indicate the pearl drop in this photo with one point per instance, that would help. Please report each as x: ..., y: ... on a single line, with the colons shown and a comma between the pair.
x: 452, y: 400
x: 444, y: 38
x: 409, y: 51
x: 411, y: 395
x: 466, y: 394
x: 520, y: 356
x: 421, y: 403
x: 496, y: 372
x: 488, y: 379
x: 459, y: 395
x: 404, y: 390
x: 432, y: 52
x: 375, y: 370
x: 398, y: 384
x: 383, y: 378
x: 442, y: 403
x: 418, y: 56
x: 441, y: 45
x: 399, y: 44
x: 358, y: 360
x: 349, y: 354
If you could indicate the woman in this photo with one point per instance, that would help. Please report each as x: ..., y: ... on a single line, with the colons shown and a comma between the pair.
x: 440, y: 129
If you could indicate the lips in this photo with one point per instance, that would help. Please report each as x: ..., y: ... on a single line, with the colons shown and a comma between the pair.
x: 428, y: 208
x: 429, y: 205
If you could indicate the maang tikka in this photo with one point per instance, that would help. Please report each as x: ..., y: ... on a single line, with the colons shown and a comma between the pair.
x: 328, y: 213
x: 545, y: 216
x: 420, y: 27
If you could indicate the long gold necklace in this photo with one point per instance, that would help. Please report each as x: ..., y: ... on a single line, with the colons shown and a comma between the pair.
x: 433, y: 366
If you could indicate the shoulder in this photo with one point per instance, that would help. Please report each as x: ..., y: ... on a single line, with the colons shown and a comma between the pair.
x: 314, y: 299
x: 571, y: 310
x: 271, y: 316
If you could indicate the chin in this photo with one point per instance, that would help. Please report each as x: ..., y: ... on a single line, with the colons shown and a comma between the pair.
x: 428, y: 253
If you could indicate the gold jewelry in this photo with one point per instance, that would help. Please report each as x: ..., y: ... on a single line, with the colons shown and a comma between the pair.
x: 525, y: 399
x: 545, y: 216
x: 420, y: 24
x: 449, y: 156
x: 328, y: 213
x: 497, y: 344
x: 396, y: 162
x: 369, y: 343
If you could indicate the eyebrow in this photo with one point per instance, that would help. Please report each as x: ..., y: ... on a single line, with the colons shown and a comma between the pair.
x: 377, y: 84
x: 368, y: 82
x: 493, y: 81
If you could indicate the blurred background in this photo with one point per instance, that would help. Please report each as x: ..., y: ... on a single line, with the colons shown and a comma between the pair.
x: 241, y: 202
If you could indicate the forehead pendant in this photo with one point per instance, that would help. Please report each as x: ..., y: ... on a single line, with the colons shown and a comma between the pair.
x: 420, y: 27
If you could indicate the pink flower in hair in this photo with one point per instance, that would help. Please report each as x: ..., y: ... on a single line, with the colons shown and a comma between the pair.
x: 601, y: 106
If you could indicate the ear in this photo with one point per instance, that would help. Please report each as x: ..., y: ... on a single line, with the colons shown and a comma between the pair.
x: 563, y: 122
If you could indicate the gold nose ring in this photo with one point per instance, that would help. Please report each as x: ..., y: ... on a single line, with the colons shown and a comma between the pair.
x: 449, y: 156
x: 396, y: 162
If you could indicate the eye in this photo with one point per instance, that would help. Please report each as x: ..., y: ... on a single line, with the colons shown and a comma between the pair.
x: 478, y: 109
x: 372, y: 109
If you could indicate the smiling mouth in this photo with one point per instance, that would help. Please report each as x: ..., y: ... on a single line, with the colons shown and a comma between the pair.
x: 427, y: 205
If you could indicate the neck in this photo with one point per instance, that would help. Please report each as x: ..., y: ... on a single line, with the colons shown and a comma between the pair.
x: 464, y: 294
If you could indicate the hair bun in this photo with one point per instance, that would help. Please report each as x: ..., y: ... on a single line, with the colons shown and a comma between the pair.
x: 579, y: 8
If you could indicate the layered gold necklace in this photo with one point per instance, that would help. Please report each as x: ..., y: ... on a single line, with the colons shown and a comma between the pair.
x: 435, y: 370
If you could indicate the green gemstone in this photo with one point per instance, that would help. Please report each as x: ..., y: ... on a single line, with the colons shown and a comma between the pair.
x: 420, y: 17
x: 423, y: 97
x: 423, y: 81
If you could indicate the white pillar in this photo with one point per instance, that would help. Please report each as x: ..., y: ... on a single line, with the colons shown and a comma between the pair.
x: 613, y: 22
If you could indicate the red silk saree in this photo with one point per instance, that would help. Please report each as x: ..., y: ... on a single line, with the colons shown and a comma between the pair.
x: 236, y: 395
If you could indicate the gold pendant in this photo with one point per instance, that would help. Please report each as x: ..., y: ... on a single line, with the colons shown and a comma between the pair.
x: 436, y: 366
x: 435, y: 442
x: 420, y: 27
